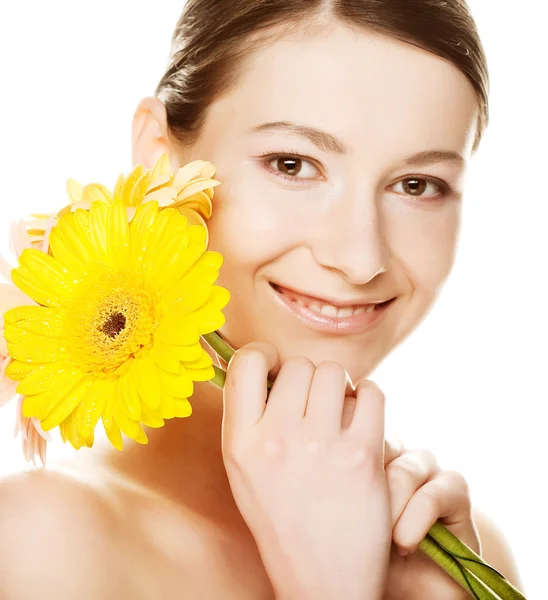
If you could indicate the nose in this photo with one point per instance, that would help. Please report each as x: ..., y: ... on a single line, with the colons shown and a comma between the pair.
x: 353, y: 243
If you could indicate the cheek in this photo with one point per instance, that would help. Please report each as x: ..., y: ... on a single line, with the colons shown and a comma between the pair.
x: 249, y: 234
x: 425, y: 246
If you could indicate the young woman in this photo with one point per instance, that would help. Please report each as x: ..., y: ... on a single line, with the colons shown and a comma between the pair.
x: 341, y: 132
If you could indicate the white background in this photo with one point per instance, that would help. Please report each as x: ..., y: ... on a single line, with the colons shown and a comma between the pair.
x: 470, y: 384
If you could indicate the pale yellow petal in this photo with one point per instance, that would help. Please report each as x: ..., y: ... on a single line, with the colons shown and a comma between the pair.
x: 164, y: 196
x: 96, y: 191
x: 187, y: 173
x: 162, y: 167
x: 200, y: 202
x: 158, y: 182
x: 130, y: 182
x: 139, y: 189
x: 195, y: 187
x: 74, y: 190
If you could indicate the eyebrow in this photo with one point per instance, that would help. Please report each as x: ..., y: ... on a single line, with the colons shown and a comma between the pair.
x: 329, y: 143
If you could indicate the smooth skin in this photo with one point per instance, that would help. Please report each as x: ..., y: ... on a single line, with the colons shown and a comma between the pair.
x: 169, y: 520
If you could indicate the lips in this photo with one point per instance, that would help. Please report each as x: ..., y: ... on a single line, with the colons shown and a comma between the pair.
x: 310, y: 301
x: 331, y: 318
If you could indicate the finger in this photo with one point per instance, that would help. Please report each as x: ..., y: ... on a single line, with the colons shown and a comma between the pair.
x: 405, y: 475
x: 324, y: 408
x: 289, y: 394
x: 392, y: 450
x: 445, y: 497
x: 245, y: 391
x: 368, y: 419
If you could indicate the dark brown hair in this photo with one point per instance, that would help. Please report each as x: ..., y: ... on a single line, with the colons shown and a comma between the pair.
x: 213, y: 39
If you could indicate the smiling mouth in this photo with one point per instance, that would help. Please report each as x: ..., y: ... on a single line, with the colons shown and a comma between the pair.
x: 324, y: 308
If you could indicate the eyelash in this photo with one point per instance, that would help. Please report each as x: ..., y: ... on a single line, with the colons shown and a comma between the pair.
x: 267, y: 157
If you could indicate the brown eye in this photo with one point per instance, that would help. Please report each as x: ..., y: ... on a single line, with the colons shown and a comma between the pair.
x: 289, y: 165
x: 414, y: 186
x: 417, y: 186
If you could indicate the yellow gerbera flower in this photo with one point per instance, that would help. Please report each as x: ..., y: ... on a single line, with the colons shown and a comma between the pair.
x: 116, y: 333
x: 189, y: 190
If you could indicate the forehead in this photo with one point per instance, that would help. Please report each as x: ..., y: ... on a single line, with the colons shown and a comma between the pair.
x: 363, y: 87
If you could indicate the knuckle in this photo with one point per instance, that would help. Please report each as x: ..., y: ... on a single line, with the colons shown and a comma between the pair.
x: 358, y: 456
x: 371, y: 388
x: 458, y: 481
x: 432, y: 495
x: 331, y: 368
x: 400, y: 471
x: 248, y: 354
x: 299, y: 362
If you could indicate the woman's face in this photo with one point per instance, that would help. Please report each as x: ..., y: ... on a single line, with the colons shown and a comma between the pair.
x: 337, y: 213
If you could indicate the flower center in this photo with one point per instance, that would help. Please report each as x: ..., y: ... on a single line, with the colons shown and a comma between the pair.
x: 114, y: 324
x: 112, y: 318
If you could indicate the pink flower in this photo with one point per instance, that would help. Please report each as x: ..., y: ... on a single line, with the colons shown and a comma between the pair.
x: 35, y: 439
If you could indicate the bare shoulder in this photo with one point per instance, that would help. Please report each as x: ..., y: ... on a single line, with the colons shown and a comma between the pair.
x: 57, y: 534
x: 496, y: 550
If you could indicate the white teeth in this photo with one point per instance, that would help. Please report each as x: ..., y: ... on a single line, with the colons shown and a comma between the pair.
x: 332, y: 311
x: 329, y: 310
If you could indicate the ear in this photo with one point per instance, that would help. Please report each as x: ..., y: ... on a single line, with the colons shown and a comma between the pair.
x: 149, y: 134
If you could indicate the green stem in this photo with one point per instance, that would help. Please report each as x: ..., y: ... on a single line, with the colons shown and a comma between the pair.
x: 219, y: 346
x: 226, y: 352
x: 469, y: 559
x: 219, y: 378
x: 454, y: 569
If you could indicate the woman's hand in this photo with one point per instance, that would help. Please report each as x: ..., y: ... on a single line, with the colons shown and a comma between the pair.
x: 421, y: 494
x: 313, y: 494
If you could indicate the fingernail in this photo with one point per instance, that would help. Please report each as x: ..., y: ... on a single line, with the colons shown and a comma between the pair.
x: 403, y: 551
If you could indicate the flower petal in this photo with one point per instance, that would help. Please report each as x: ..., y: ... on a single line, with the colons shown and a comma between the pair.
x: 179, y: 386
x: 63, y: 409
x: 176, y: 329
x: 129, y: 396
x: 118, y: 235
x: 147, y: 381
x: 92, y: 405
